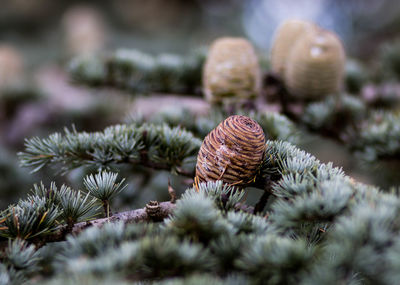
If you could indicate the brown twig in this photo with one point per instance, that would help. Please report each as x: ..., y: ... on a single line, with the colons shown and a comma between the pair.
x: 262, y: 202
x: 107, y: 209
x: 264, y: 183
x: 133, y: 216
x: 171, y: 192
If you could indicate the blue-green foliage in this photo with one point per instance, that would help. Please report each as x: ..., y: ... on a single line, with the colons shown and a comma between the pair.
x: 139, y: 72
x: 167, y: 148
x: 379, y: 137
x: 320, y: 227
x: 19, y: 261
x: 275, y: 125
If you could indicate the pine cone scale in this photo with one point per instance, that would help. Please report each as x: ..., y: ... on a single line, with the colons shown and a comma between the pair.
x: 238, y: 133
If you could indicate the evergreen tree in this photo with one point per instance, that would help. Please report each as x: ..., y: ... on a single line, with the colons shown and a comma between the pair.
x: 313, y: 224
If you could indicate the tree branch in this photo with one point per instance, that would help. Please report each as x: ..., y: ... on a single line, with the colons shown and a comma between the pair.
x: 116, y: 144
x: 132, y: 216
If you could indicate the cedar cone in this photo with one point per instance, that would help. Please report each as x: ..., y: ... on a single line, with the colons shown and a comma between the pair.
x: 315, y: 66
x: 84, y: 30
x: 231, y: 72
x: 285, y: 37
x: 11, y: 66
x: 232, y: 152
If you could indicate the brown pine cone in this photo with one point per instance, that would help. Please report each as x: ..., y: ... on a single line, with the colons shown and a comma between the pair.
x: 232, y: 152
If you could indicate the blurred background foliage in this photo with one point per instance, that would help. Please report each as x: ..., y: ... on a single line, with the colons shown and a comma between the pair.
x: 38, y: 39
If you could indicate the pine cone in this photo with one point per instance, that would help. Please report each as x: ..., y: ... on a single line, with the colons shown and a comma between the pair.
x: 231, y: 71
x: 232, y: 152
x: 84, y: 30
x: 315, y: 66
x: 11, y: 66
x: 285, y: 38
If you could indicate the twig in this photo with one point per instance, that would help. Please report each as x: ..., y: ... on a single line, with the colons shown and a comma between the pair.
x: 171, y: 192
x: 107, y: 209
x: 133, y: 216
x: 264, y: 183
x: 262, y: 202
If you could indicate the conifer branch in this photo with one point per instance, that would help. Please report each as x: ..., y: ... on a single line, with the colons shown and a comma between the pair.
x: 379, y: 137
x: 314, y: 212
x: 137, y: 71
x: 275, y: 125
x: 132, y: 216
x: 340, y: 117
x: 154, y: 146
x: 373, y: 135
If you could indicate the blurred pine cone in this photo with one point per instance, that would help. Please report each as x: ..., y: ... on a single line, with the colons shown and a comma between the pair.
x: 84, y: 30
x: 285, y: 37
x: 315, y: 66
x: 232, y: 152
x: 231, y: 72
x: 11, y: 66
